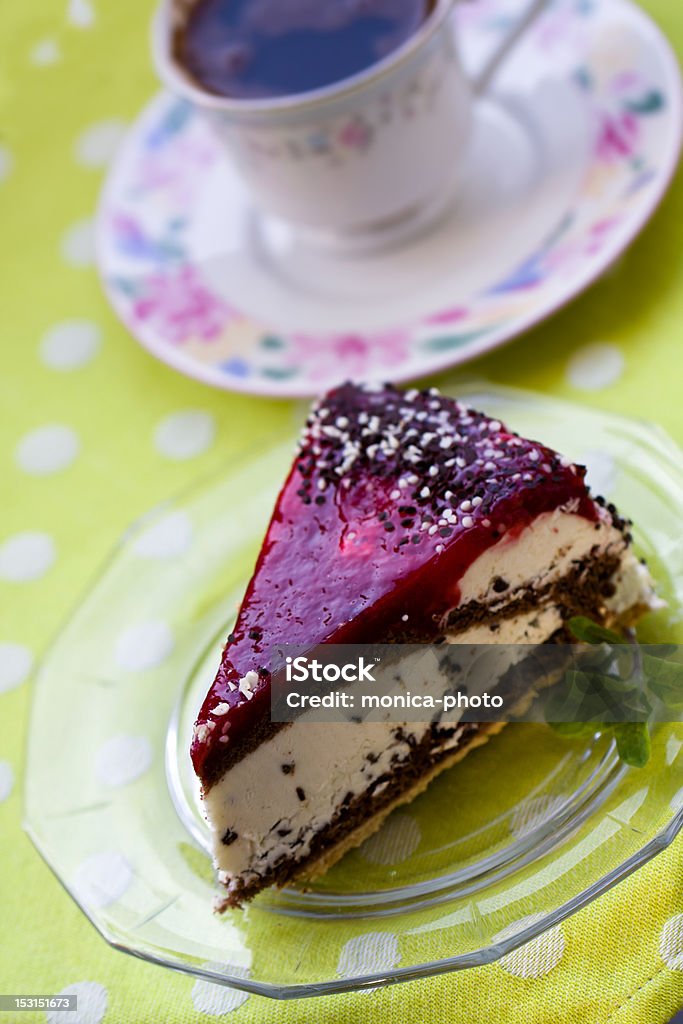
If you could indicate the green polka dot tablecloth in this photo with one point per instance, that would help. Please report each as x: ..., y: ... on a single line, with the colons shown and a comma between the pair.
x: 93, y: 432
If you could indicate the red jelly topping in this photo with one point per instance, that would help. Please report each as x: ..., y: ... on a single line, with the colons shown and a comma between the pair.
x: 392, y: 497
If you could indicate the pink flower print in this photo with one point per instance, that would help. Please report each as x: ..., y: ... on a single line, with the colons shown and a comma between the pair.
x: 561, y: 33
x: 179, y: 307
x: 176, y: 171
x: 351, y: 354
x: 356, y: 134
x: 448, y: 316
x: 618, y: 137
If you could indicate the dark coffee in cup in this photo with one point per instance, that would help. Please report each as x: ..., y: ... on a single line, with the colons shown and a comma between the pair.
x: 254, y: 49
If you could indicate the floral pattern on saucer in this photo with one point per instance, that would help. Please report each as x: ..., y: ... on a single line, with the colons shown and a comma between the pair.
x: 162, y: 296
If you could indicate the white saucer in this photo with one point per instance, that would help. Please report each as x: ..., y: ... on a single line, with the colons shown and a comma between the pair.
x: 571, y: 153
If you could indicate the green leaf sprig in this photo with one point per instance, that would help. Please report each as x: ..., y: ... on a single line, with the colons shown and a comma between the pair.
x: 599, y: 688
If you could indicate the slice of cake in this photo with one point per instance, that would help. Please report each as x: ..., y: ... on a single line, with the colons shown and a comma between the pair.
x: 406, y: 517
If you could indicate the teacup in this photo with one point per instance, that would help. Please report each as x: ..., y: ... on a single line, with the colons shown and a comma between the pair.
x: 360, y: 159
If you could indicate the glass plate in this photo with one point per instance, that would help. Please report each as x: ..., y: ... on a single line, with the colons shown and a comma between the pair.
x: 484, y: 861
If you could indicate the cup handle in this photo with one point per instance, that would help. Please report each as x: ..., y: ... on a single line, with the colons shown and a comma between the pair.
x: 485, y: 76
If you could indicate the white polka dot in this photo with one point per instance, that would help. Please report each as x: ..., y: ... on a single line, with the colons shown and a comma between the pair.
x: 44, y: 53
x: 671, y: 943
x: 122, y: 759
x: 80, y: 13
x: 144, y: 645
x: 213, y: 999
x: 91, y: 1004
x: 6, y: 163
x: 398, y: 838
x: 6, y: 780
x: 169, y: 538
x: 368, y: 954
x: 26, y: 556
x: 528, y: 815
x: 70, y: 344
x: 183, y: 435
x: 594, y: 367
x: 47, y: 449
x: 77, y: 246
x: 101, y: 879
x: 676, y: 801
x: 673, y: 749
x: 602, y: 471
x: 15, y: 665
x: 96, y: 146
x: 536, y: 957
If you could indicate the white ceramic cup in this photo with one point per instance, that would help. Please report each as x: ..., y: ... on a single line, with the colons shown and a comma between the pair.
x: 381, y: 151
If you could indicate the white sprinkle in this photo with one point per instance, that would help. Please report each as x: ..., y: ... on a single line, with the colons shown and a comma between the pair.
x: 486, y: 523
x: 477, y: 501
x: 201, y: 733
x: 351, y: 535
x: 467, y: 521
x: 439, y: 548
x: 221, y: 709
x: 466, y: 506
x: 533, y: 456
x: 433, y: 470
x: 412, y: 479
x: 404, y: 618
x: 489, y: 466
x: 322, y: 485
x: 342, y: 422
x: 446, y: 442
x: 495, y: 426
x: 247, y: 684
x: 432, y: 530
x: 448, y: 495
x: 395, y: 495
x: 425, y: 492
